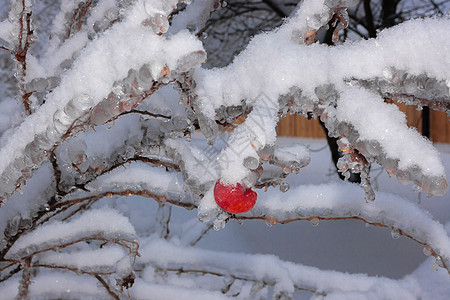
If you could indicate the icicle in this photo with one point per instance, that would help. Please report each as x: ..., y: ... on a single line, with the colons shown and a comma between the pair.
x: 220, y: 221
x: 395, y: 233
x: 427, y: 250
x: 366, y: 185
x: 251, y: 163
x: 314, y: 221
x: 284, y: 187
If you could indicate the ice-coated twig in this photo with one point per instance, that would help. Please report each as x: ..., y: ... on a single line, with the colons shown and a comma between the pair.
x: 198, y: 167
x: 386, y: 143
x: 25, y: 281
x: 102, y: 261
x: 194, y: 231
x: 159, y: 197
x: 68, y: 20
x: 200, y: 108
x: 411, y: 89
x: 162, y: 220
x: 59, y: 235
x: 107, y: 287
x: 20, y: 16
x: 95, y: 224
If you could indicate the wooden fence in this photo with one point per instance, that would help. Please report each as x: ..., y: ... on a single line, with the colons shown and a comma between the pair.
x: 301, y: 127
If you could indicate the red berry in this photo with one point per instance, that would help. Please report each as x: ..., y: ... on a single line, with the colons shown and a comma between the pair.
x: 234, y: 199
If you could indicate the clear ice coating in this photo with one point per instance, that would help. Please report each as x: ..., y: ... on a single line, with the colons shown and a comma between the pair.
x: 340, y: 3
x: 284, y: 187
x: 395, y: 233
x: 251, y: 163
x: 371, y: 150
x: 427, y: 250
x: 314, y: 221
x: 62, y: 121
x: 220, y: 221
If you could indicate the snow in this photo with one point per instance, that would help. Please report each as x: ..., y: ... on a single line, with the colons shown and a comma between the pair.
x: 273, y: 61
x: 363, y: 110
x: 143, y: 290
x: 93, y: 74
x: 91, y: 260
x: 103, y: 222
x: 273, y: 64
x: 270, y: 268
x: 32, y: 199
x: 344, y: 201
x: 434, y: 284
x: 72, y: 286
x: 139, y: 175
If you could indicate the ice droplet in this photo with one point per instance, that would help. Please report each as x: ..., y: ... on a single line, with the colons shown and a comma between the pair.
x: 268, y: 223
x: 403, y: 177
x: 61, y: 121
x: 314, y: 221
x: 12, y: 227
x: 204, y: 216
x: 218, y: 224
x: 427, y: 250
x: 284, y: 187
x: 250, y: 180
x: 395, y: 233
x: 251, y: 162
x: 369, y: 195
x: 439, y: 262
x: 434, y: 266
x: 416, y: 188
x: 435, y: 186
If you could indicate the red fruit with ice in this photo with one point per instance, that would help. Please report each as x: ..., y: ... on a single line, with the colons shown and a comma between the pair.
x: 235, y: 199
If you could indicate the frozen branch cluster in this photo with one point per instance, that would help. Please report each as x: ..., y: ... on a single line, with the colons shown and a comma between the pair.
x: 110, y: 109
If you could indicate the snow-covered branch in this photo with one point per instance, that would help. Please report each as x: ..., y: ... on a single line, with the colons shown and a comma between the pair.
x: 343, y: 202
x: 284, y: 277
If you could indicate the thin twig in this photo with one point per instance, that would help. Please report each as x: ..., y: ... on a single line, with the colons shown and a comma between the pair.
x: 106, y: 286
x: 273, y: 220
x: 25, y: 281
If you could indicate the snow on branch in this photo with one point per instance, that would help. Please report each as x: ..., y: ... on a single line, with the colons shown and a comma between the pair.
x: 284, y: 277
x: 32, y: 250
x: 79, y: 96
x: 281, y: 75
x: 69, y: 284
x: 20, y: 38
x: 343, y: 201
x: 102, y: 224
